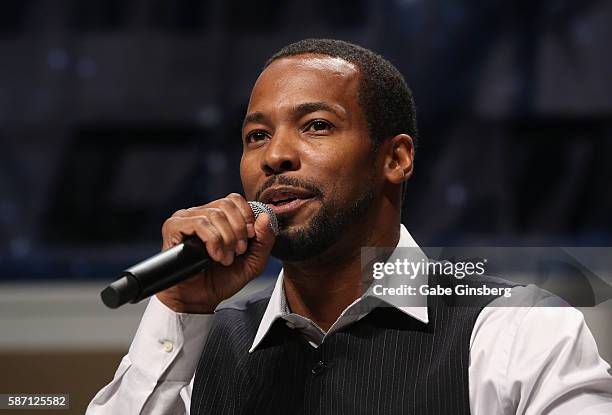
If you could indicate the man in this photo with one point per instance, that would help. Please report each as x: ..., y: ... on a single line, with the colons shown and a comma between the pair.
x: 328, y: 143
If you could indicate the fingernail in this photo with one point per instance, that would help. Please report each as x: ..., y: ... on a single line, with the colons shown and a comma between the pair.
x: 250, y: 230
x: 241, y: 247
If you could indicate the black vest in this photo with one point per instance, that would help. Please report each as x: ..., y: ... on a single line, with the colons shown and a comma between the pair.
x: 386, y: 363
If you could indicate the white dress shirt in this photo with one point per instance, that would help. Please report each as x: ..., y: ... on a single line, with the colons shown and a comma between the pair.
x: 531, y: 360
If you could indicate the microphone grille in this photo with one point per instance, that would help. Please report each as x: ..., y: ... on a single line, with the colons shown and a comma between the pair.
x: 258, y: 208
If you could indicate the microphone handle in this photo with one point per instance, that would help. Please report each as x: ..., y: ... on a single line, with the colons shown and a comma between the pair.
x: 157, y: 273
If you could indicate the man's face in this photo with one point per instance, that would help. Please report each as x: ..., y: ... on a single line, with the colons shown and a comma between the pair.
x: 307, y: 152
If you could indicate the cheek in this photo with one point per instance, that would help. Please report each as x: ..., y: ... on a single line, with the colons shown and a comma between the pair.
x: 247, y: 178
x: 347, y: 170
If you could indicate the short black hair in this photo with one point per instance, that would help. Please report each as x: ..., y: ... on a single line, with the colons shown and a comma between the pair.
x: 384, y: 97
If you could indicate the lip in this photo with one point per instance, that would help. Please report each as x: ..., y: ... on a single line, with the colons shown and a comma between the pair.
x: 300, y: 195
x: 288, y: 208
x: 272, y: 194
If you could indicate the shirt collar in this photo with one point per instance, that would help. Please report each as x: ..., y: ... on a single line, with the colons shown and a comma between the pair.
x: 277, y: 306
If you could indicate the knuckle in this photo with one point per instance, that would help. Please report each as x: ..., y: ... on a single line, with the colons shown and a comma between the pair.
x: 212, y: 236
x: 167, y: 225
x: 217, y: 238
x: 181, y: 213
x: 226, y: 203
x: 204, y: 221
x: 235, y: 197
x: 239, y: 201
x: 216, y: 213
x: 242, y: 231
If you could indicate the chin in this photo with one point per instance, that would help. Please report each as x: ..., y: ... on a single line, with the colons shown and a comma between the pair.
x: 320, y: 231
x: 300, y: 243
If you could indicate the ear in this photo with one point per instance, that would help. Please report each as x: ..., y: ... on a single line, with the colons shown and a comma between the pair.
x: 399, y: 158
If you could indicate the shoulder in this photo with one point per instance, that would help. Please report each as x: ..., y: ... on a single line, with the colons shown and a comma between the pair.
x: 522, y: 340
x: 525, y: 307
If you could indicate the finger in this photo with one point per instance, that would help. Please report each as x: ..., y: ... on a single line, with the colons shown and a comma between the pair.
x: 246, y: 211
x: 176, y: 229
x: 208, y: 233
x: 261, y: 246
x: 171, y: 234
x: 263, y: 232
x: 220, y: 221
x: 237, y: 222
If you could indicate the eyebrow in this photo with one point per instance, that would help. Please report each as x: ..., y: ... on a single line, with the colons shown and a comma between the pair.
x: 255, y: 117
x: 299, y: 111
x: 308, y: 107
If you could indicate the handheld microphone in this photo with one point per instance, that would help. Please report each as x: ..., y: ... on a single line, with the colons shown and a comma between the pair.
x: 167, y: 268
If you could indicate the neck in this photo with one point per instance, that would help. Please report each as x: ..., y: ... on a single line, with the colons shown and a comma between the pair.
x: 321, y: 288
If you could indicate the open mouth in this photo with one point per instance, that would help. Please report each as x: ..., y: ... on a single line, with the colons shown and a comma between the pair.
x: 281, y: 202
x: 284, y: 200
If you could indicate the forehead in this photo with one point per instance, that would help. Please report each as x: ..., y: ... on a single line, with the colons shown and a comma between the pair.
x: 292, y: 80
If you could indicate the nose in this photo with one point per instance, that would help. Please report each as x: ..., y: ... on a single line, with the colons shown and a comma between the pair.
x: 281, y: 154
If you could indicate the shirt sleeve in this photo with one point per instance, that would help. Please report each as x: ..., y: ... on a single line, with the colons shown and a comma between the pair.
x: 156, y: 376
x: 537, y: 360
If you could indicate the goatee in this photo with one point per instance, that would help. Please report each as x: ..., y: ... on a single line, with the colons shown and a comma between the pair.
x: 322, y: 231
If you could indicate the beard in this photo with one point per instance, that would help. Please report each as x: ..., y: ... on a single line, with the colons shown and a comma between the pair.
x: 323, y: 229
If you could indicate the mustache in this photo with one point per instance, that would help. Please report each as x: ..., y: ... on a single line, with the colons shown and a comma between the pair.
x: 290, y: 181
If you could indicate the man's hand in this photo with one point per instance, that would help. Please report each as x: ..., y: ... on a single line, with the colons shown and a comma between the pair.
x: 225, y: 226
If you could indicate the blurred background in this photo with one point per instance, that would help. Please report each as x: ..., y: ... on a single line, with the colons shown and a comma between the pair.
x: 114, y: 114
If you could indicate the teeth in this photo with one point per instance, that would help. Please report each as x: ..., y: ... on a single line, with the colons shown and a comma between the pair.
x: 287, y: 200
x: 283, y: 198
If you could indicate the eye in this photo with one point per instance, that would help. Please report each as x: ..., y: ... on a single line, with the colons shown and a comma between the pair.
x: 318, y: 126
x: 256, y: 136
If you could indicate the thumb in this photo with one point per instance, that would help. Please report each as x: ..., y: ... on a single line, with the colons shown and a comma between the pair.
x: 261, y: 246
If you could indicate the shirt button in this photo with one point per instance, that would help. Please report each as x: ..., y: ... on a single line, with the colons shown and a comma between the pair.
x: 290, y: 324
x: 168, y: 346
x: 318, y: 368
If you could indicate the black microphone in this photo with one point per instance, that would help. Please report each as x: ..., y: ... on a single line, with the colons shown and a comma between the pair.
x: 167, y: 268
